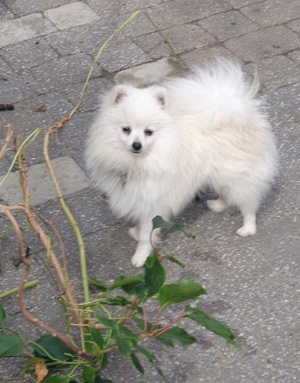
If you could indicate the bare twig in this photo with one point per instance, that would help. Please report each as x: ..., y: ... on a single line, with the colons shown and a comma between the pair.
x: 8, y: 136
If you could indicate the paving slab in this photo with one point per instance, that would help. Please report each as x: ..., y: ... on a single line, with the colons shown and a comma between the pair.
x: 273, y: 12
x: 148, y: 74
x: 28, y: 54
x: 71, y: 15
x: 182, y: 38
x: 11, y: 91
x: 69, y: 176
x: 242, y: 3
x: 228, y: 25
x: 276, y: 72
x: 24, y: 28
x: 199, y: 56
x: 281, y: 111
x: 5, y: 14
x: 295, y: 56
x: 295, y: 25
x: 21, y: 8
x: 264, y: 43
x: 63, y: 71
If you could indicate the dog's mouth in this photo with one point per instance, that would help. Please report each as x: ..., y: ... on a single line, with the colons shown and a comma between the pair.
x: 135, y: 151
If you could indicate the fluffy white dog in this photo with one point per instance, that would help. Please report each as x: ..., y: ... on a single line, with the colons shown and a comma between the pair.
x: 152, y: 149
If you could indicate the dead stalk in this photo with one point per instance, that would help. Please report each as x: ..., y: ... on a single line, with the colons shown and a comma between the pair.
x: 8, y: 136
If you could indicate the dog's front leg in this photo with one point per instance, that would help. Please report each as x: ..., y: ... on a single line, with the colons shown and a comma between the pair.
x: 144, y: 246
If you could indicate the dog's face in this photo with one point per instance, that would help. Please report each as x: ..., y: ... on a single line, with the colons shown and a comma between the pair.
x: 139, y: 115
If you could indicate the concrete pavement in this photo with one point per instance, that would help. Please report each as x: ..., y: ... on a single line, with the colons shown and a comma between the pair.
x: 46, y: 50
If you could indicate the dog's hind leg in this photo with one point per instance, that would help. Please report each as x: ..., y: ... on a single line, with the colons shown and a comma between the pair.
x: 249, y: 224
x: 248, y: 203
x: 216, y: 205
x: 134, y: 233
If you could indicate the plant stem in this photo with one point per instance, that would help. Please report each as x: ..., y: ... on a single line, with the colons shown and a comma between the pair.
x: 15, y: 290
x: 71, y: 219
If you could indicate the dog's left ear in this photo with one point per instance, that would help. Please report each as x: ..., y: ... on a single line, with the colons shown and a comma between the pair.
x: 160, y: 94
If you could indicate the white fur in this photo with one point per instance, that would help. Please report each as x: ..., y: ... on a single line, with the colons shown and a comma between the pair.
x: 208, y: 130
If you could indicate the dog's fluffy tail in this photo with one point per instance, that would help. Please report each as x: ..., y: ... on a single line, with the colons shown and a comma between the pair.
x: 218, y: 93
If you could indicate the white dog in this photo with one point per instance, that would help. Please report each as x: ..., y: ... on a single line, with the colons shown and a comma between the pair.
x: 152, y: 149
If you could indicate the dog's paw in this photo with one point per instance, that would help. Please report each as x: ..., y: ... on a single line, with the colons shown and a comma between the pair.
x: 246, y: 230
x: 216, y: 205
x: 133, y: 232
x: 138, y: 260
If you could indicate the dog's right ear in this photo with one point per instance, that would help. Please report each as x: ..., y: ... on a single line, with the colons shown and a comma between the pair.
x: 117, y: 94
x: 160, y: 94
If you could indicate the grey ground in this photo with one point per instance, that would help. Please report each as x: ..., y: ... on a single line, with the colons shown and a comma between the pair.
x: 46, y: 50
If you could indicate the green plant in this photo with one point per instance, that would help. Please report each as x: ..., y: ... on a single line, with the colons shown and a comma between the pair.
x: 118, y: 323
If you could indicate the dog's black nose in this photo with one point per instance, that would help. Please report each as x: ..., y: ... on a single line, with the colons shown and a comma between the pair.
x: 136, y: 146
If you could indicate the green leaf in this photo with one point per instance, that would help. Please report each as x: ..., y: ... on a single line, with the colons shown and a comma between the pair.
x: 137, y: 363
x: 174, y: 260
x: 100, y: 380
x: 140, y: 324
x: 179, y: 292
x: 109, y: 323
x: 117, y: 301
x: 155, y: 274
x: 210, y: 324
x: 158, y: 221
x: 93, y: 341
x: 124, y: 345
x: 152, y: 358
x: 2, y: 315
x: 128, y: 333
x: 166, y: 341
x: 177, y: 334
x: 97, y: 337
x: 122, y: 281
x: 49, y: 347
x: 10, y: 345
x: 131, y: 285
x: 57, y: 379
x: 100, y: 286
x: 88, y: 374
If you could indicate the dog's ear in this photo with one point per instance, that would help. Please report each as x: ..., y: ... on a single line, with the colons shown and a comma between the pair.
x: 117, y: 94
x: 160, y: 94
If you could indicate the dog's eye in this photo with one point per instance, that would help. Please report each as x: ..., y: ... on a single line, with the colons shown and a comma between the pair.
x: 126, y: 130
x: 148, y: 132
